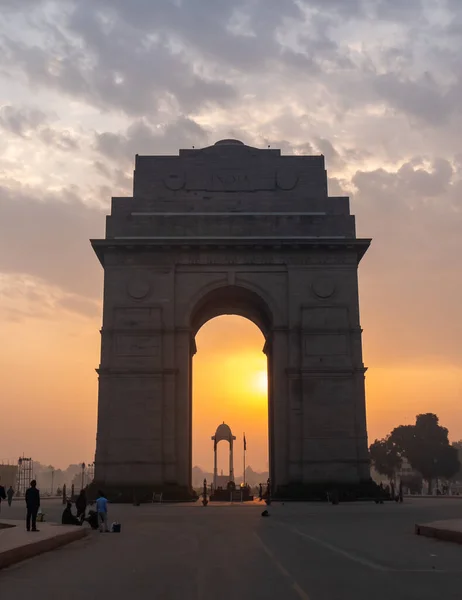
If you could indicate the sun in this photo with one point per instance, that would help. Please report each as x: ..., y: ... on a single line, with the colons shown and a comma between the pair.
x: 260, y: 382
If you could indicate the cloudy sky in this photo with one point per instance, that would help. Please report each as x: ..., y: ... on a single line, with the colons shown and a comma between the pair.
x: 374, y: 85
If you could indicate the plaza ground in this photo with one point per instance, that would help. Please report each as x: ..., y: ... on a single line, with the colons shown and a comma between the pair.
x: 302, y: 551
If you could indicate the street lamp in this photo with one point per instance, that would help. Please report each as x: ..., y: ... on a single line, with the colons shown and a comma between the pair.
x: 90, y: 473
x: 83, y: 474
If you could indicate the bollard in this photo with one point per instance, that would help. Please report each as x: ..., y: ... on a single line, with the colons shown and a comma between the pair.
x: 204, y: 494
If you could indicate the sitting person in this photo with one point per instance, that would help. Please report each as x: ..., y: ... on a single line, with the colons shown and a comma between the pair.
x: 92, y: 519
x: 68, y: 518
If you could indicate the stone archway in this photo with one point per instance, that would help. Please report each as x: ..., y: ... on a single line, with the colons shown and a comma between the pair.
x: 230, y: 228
x: 245, y: 302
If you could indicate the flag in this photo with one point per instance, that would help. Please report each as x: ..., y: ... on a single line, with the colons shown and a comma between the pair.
x: 245, y: 443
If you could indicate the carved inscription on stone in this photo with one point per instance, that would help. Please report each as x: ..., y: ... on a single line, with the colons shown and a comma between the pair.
x: 323, y: 287
x: 325, y: 345
x: 221, y: 180
x: 138, y: 345
x: 231, y: 180
x: 193, y: 258
x: 264, y: 259
x: 174, y: 181
x: 149, y: 317
x: 325, y: 317
x: 138, y: 287
x: 327, y: 398
x: 286, y: 180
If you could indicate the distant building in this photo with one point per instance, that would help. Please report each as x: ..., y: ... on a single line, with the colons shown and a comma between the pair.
x: 8, y: 475
x: 406, y: 474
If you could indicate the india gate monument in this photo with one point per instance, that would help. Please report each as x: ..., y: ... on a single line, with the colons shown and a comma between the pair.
x: 230, y: 229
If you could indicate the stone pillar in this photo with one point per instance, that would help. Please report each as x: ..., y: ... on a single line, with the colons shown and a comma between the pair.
x: 215, y: 464
x: 231, y: 461
x: 183, y: 407
x: 279, y: 422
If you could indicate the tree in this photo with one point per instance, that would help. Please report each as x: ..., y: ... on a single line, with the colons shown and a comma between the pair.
x: 448, y: 462
x: 413, y: 481
x: 426, y: 447
x: 458, y: 447
x: 385, y: 457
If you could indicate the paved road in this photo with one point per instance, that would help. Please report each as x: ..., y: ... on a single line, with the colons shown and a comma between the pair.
x: 303, y: 551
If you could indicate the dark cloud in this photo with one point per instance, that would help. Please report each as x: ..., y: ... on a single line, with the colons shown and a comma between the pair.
x: 142, y: 138
x: 29, y: 122
x: 333, y: 158
x: 21, y: 120
x: 408, y: 276
x: 368, y: 83
x: 185, y: 57
x: 422, y: 98
x: 117, y: 65
x: 396, y: 10
x: 47, y: 236
x: 62, y: 140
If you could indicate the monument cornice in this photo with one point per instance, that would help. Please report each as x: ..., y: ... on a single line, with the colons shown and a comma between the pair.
x: 322, y: 372
x: 134, y: 372
x: 346, y: 461
x: 236, y: 244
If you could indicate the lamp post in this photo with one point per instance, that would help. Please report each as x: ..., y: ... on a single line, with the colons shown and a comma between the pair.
x: 204, y: 494
x: 83, y: 475
x: 90, y: 473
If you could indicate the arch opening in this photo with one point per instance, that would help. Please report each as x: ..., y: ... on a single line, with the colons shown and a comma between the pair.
x: 230, y: 382
x: 232, y: 300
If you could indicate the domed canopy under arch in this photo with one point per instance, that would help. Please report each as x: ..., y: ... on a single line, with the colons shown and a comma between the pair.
x: 223, y: 432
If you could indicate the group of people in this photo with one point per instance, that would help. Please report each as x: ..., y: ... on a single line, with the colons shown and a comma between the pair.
x: 32, y: 503
x: 8, y: 495
x: 95, y: 518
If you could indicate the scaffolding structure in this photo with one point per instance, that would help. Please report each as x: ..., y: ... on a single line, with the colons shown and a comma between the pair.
x: 25, y: 469
x: 89, y: 474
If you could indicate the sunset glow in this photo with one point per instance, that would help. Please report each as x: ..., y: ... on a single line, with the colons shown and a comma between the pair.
x: 381, y: 106
x: 260, y: 382
x: 229, y: 371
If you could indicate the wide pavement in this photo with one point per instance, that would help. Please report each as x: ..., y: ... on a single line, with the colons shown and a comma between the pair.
x: 302, y: 551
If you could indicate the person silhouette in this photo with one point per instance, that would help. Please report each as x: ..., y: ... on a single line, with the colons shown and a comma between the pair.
x: 33, y: 505
x: 2, y: 496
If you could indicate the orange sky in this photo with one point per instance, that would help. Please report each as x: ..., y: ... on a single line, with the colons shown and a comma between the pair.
x: 49, y: 389
x: 358, y: 86
x: 229, y: 384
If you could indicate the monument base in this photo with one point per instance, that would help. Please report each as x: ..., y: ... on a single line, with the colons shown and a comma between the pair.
x: 142, y: 493
x: 324, y: 491
x: 237, y: 495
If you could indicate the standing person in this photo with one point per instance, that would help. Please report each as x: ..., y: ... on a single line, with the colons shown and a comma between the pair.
x: 10, y: 494
x: 2, y: 495
x: 81, y: 505
x: 33, y: 504
x: 101, y: 507
x: 400, y: 493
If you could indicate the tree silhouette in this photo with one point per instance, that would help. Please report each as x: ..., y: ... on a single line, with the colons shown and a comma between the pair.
x: 385, y: 457
x: 426, y: 447
x: 458, y: 447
